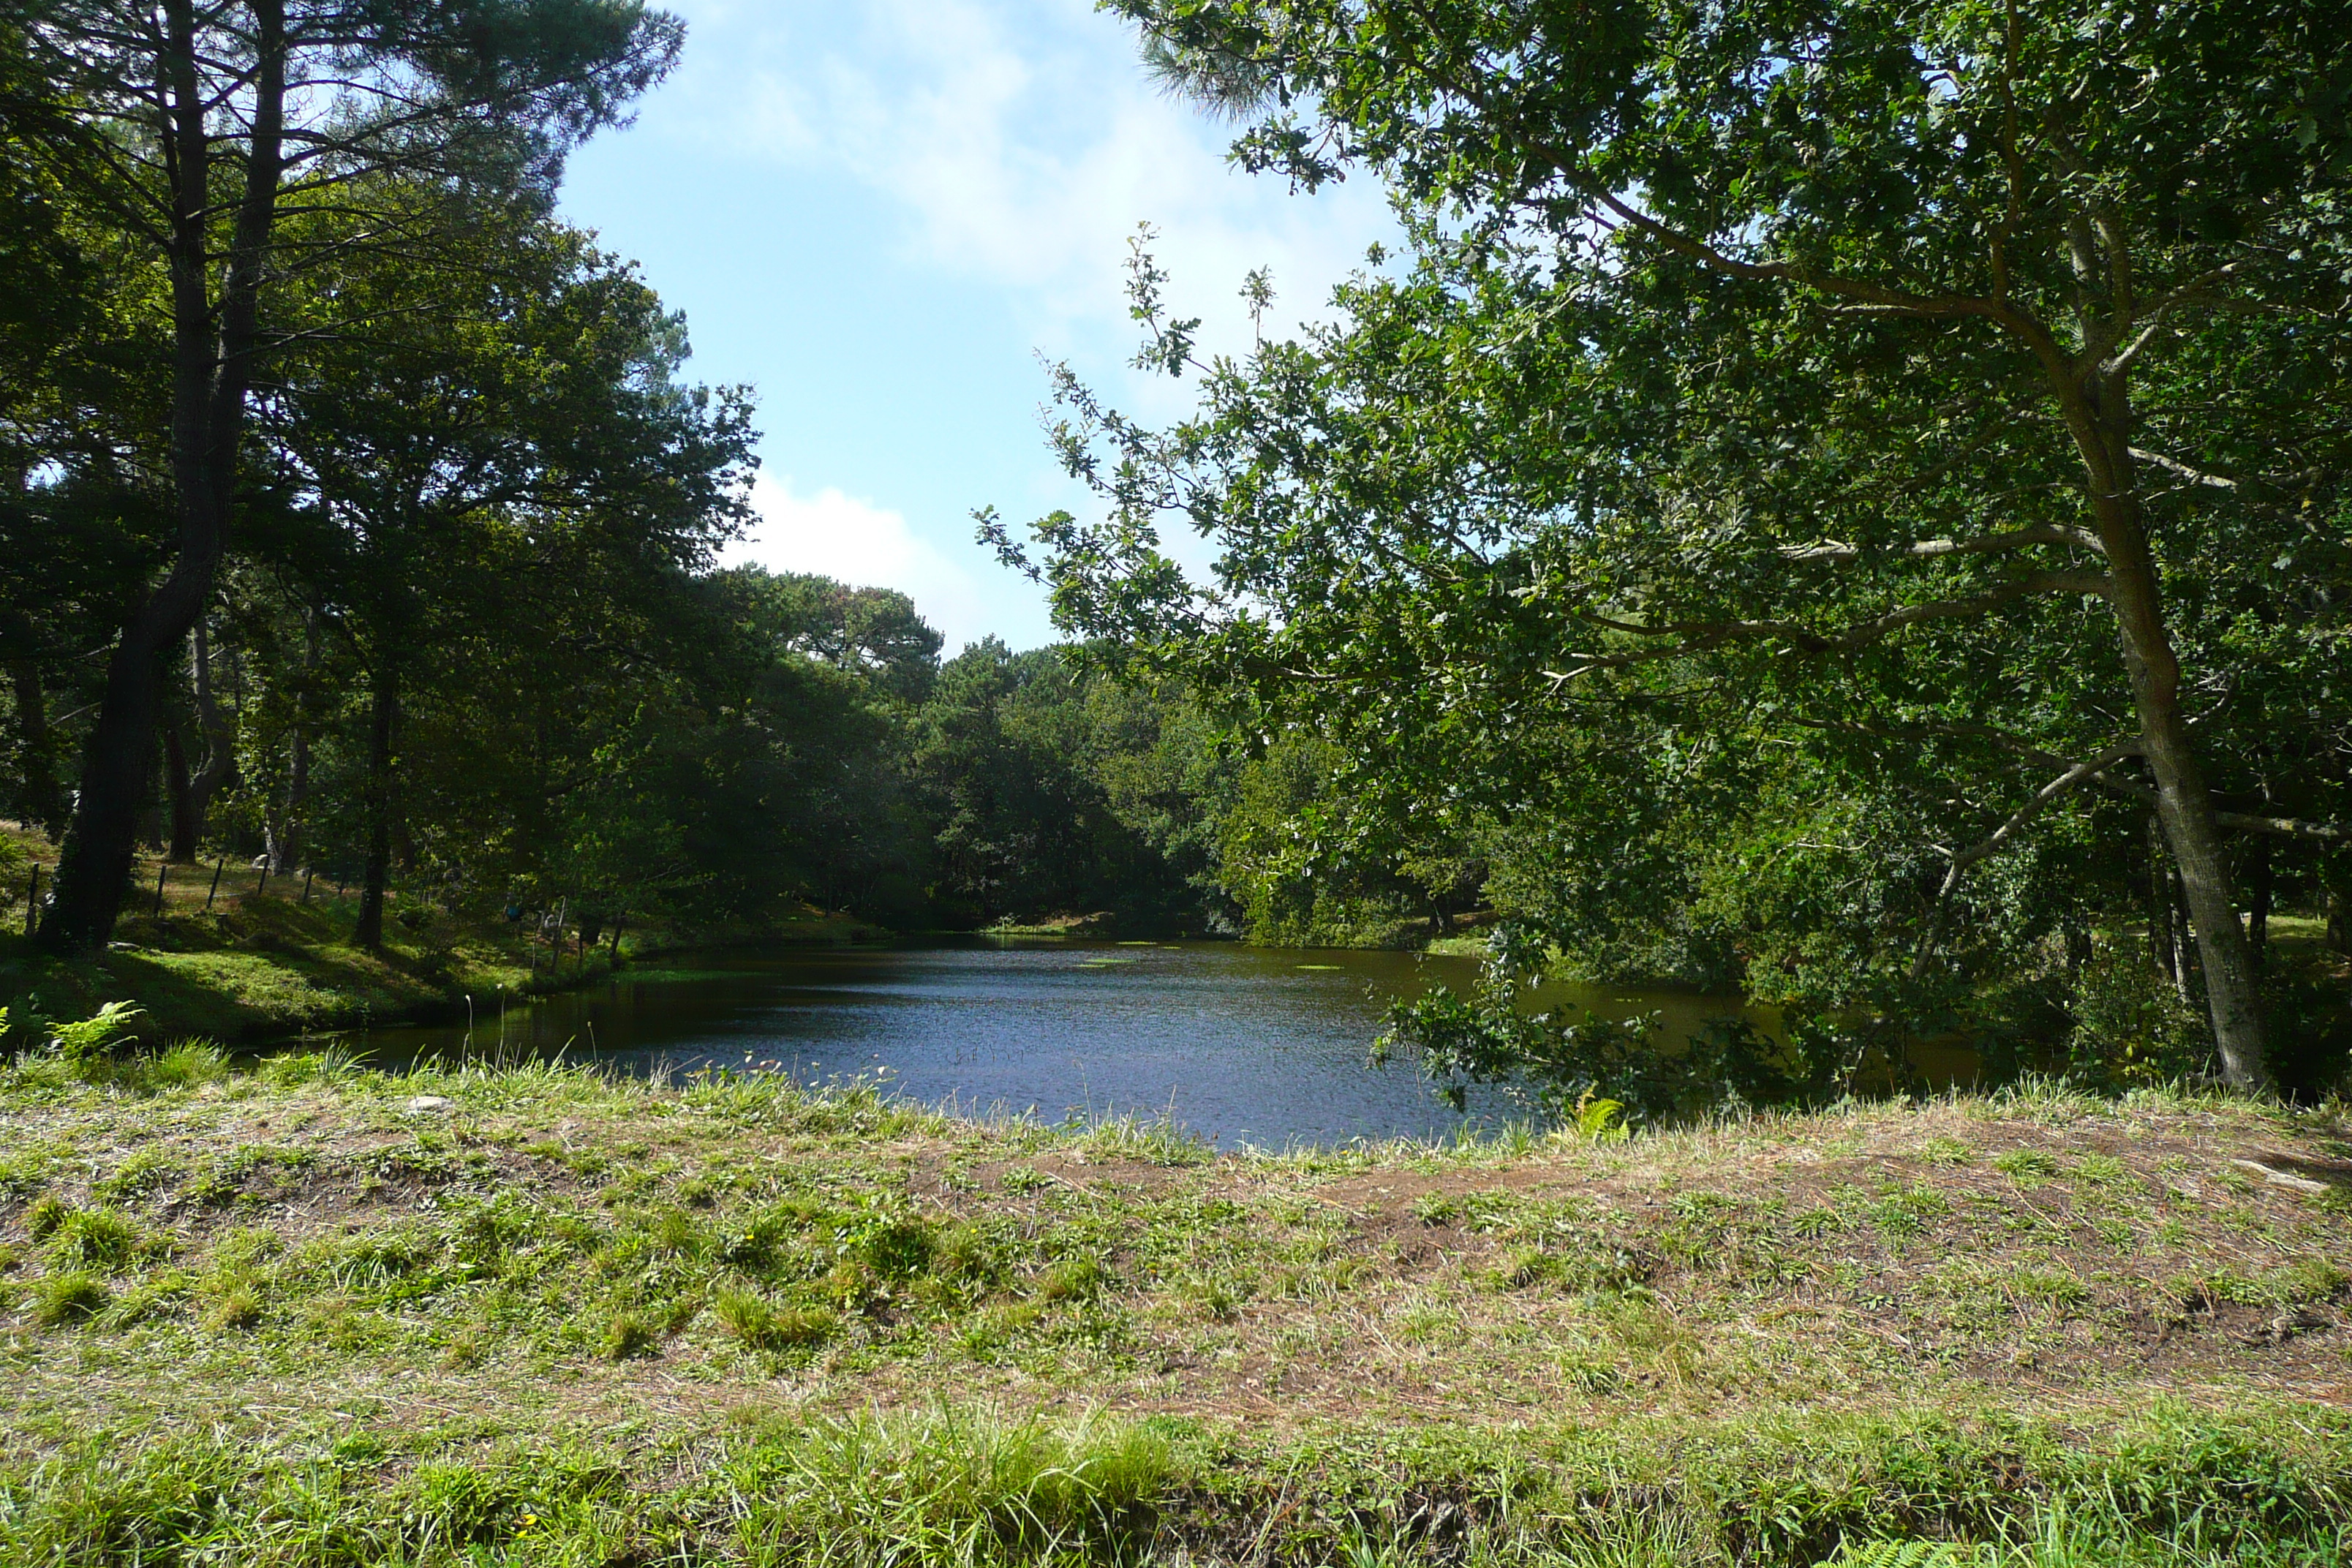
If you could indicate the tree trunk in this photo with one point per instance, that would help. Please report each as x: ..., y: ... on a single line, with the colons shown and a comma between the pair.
x: 219, y: 770
x: 383, y: 718
x: 40, y: 802
x: 2258, y: 889
x: 2096, y: 404
x: 2185, y: 807
x: 179, y: 794
x: 2160, y: 945
x: 212, y: 349
x: 285, y: 828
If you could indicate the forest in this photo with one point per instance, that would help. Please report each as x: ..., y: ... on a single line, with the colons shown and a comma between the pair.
x: 1896, y: 573
x: 367, y: 530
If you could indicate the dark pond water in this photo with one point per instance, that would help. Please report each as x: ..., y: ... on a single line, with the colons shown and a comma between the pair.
x: 1240, y: 1045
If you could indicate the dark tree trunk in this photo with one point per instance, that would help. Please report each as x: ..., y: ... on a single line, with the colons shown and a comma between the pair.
x: 41, y: 802
x: 213, y: 348
x: 285, y: 828
x: 186, y: 823
x: 383, y: 718
x: 2258, y: 889
x: 2160, y: 945
x: 219, y: 730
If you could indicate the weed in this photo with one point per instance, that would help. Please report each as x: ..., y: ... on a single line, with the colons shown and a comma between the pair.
x: 46, y: 1215
x: 68, y: 1298
x: 186, y: 1065
x: 333, y: 1064
x: 2026, y: 1167
x: 955, y: 1487
x: 94, y: 1238
x: 235, y: 1306
x: 1078, y: 1279
x: 677, y: 1234
x: 764, y: 1326
x: 145, y: 1172
x: 1906, y: 1211
x: 969, y: 1256
x: 629, y: 1337
x: 2052, y: 1286
x: 2101, y: 1170
x: 160, y: 1297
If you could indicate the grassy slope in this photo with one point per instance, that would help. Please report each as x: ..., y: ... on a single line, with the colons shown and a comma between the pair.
x: 244, y: 961
x: 544, y: 1317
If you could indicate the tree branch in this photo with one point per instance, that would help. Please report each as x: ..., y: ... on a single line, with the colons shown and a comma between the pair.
x: 2072, y: 778
x: 1703, y: 634
x: 1833, y: 551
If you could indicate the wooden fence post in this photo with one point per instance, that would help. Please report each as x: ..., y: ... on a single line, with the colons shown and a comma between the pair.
x: 33, y: 903
x: 222, y: 865
x: 161, y: 871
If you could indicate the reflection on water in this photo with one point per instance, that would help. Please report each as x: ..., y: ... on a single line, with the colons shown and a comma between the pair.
x: 1241, y: 1045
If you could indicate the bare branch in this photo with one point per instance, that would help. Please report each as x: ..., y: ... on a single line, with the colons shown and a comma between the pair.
x: 2174, y: 465
x: 2073, y: 777
x: 1833, y: 551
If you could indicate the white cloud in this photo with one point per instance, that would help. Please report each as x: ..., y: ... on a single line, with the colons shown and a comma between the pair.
x: 1023, y: 144
x: 838, y: 535
x: 1011, y: 147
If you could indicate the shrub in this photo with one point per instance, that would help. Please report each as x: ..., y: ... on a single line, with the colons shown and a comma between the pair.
x: 2131, y: 1026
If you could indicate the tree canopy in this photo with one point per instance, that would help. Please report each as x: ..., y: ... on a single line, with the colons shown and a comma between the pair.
x: 1807, y: 455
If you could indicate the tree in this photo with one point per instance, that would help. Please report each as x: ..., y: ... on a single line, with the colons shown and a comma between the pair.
x: 477, y: 426
x: 1821, y: 372
x: 196, y: 127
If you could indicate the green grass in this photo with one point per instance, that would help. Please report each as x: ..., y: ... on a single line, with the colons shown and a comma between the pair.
x: 974, y: 1486
x: 271, y: 1315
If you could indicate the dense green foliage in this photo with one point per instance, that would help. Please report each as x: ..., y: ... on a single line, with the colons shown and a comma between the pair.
x: 458, y: 631
x: 1822, y: 477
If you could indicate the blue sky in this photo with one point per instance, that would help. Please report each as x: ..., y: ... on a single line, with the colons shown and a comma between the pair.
x: 881, y: 214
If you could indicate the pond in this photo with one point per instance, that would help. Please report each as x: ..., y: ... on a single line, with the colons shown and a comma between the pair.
x: 1265, y: 1046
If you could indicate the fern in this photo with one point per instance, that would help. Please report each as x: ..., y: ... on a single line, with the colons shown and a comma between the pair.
x: 1910, y: 1554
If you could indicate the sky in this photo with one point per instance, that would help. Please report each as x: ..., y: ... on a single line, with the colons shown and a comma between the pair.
x: 881, y: 215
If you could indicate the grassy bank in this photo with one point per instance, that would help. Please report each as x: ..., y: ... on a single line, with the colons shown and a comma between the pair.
x: 233, y: 955
x: 313, y: 1315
